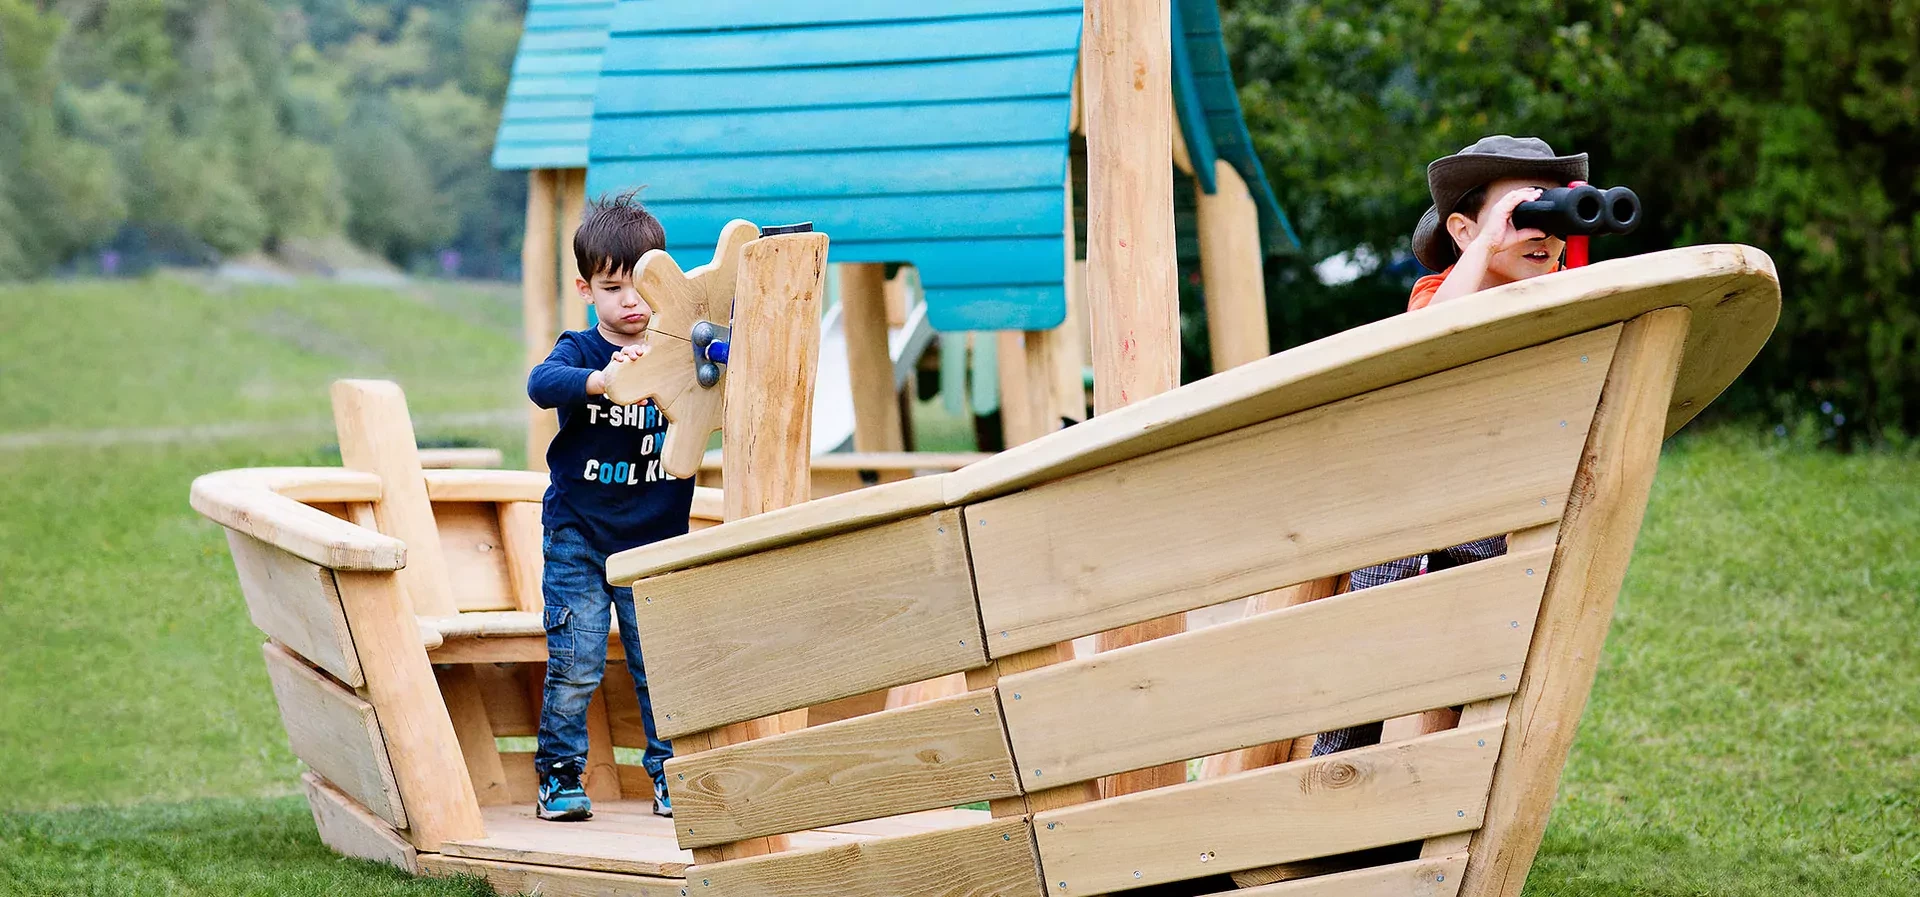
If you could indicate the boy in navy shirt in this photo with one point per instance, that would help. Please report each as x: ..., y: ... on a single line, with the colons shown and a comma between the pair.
x: 608, y: 494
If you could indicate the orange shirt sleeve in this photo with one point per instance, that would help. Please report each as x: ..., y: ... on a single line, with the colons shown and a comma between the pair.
x: 1425, y: 287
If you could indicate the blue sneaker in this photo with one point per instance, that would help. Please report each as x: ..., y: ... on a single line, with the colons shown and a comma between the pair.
x: 662, y: 802
x: 562, y: 799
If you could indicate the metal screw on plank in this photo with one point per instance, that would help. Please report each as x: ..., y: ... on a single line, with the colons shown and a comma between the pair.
x: 1529, y: 571
x: 1483, y: 742
x: 1515, y: 624
x: 1036, y: 773
x: 1543, y: 502
x: 1583, y: 359
x: 1441, y: 877
x: 943, y: 530
x: 1050, y: 825
x: 1136, y: 873
x: 1016, y: 696
x: 1563, y: 423
x: 1503, y: 677
x: 976, y: 711
x: 1460, y: 813
x: 1006, y: 837
x: 683, y: 777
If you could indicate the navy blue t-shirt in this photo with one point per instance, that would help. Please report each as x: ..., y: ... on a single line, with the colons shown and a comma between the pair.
x: 607, y: 481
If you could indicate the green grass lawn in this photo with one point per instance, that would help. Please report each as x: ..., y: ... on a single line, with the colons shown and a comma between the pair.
x: 1752, y: 731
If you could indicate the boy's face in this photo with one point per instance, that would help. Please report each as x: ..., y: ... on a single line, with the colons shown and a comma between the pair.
x: 616, y: 302
x: 1530, y: 252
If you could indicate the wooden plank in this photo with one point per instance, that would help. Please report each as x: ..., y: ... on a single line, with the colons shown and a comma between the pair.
x: 1131, y: 289
x: 1596, y: 542
x: 525, y: 649
x: 991, y: 860
x: 1732, y: 289
x: 1436, y: 877
x: 460, y: 458
x: 1230, y: 263
x: 333, y: 731
x: 550, y: 881
x: 938, y: 754
x: 466, y: 706
x: 1451, y: 637
x: 623, y: 708
x: 523, y: 784
x: 247, y: 501
x: 503, y: 693
x: 295, y: 601
x: 1022, y: 418
x: 1370, y: 797
x: 602, y: 780
x: 622, y: 836
x: 1277, y: 752
x: 520, y: 538
x: 848, y: 708
x: 376, y: 436
x: 1313, y: 494
x: 485, y: 485
x: 811, y: 520
x: 470, y: 541
x: 884, y: 606
x: 349, y: 830
x: 421, y: 743
x: 539, y: 296
x: 863, y: 311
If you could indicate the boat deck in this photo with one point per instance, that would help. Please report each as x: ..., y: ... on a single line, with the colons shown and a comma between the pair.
x: 625, y: 837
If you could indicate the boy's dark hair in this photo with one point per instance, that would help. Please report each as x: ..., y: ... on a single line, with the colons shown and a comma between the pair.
x: 1472, y: 202
x: 614, y: 233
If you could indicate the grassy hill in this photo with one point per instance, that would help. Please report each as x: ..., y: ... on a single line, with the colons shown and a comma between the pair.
x: 1751, y: 732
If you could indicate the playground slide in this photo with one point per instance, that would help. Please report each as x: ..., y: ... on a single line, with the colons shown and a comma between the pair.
x: 833, y: 395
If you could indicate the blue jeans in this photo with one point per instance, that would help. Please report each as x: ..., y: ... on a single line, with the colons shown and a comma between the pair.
x: 574, y: 584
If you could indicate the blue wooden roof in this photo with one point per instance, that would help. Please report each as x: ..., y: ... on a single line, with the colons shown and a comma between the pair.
x: 549, y: 108
x: 933, y: 132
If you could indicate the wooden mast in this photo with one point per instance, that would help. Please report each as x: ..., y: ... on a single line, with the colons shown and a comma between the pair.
x: 1132, y: 294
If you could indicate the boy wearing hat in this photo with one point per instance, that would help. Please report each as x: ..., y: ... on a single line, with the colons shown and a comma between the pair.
x: 1468, y: 235
x: 1476, y: 247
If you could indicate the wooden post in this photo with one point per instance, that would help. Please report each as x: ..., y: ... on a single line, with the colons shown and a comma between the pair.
x: 1062, y: 351
x: 1230, y: 263
x: 1020, y: 413
x: 539, y: 280
x: 376, y: 435
x: 1596, y: 541
x: 864, y: 313
x: 769, y: 424
x: 1131, y: 290
x: 1132, y: 296
x: 573, y: 204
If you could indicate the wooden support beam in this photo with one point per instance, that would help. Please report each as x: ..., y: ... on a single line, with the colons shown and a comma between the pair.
x: 864, y: 313
x: 1596, y: 541
x: 1230, y: 265
x: 376, y: 435
x: 1132, y: 295
x: 1273, y: 753
x: 467, y: 707
x: 769, y: 416
x: 573, y: 203
x: 1021, y: 415
x: 425, y: 752
x: 539, y: 284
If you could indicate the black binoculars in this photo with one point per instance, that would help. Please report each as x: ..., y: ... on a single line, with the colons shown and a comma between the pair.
x: 1584, y: 210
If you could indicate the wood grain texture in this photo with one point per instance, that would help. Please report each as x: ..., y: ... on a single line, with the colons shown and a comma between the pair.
x: 1431, y: 641
x: 520, y: 538
x: 775, y: 354
x: 349, y: 830
x: 1732, y: 289
x: 376, y: 436
x: 295, y: 601
x: 265, y: 503
x: 572, y: 187
x: 1331, y: 489
x: 666, y: 374
x: 681, y: 299
x: 1272, y: 753
x: 472, y: 545
x: 1131, y: 293
x: 539, y: 298
x: 333, y: 731
x: 1354, y: 800
x: 1595, y: 543
x: 512, y: 649
x: 733, y: 641
x: 467, y: 707
x: 461, y: 458
x: 939, y: 754
x: 1436, y: 877
x: 864, y: 312
x: 421, y: 743
x: 991, y: 860
x: 810, y: 520
x: 549, y: 881
x: 485, y: 485
x: 1231, y: 267
x: 503, y: 691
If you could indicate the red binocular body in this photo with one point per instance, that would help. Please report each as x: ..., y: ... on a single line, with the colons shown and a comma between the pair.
x: 1581, y: 210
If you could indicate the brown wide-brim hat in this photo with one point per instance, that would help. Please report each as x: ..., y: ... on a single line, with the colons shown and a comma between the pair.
x: 1489, y: 159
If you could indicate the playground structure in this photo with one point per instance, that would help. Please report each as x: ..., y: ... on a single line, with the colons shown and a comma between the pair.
x: 942, y: 136
x: 840, y: 676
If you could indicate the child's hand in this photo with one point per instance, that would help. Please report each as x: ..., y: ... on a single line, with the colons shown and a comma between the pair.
x: 1500, y: 233
x: 597, y: 382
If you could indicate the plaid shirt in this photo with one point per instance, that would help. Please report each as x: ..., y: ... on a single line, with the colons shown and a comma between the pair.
x: 1394, y: 571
